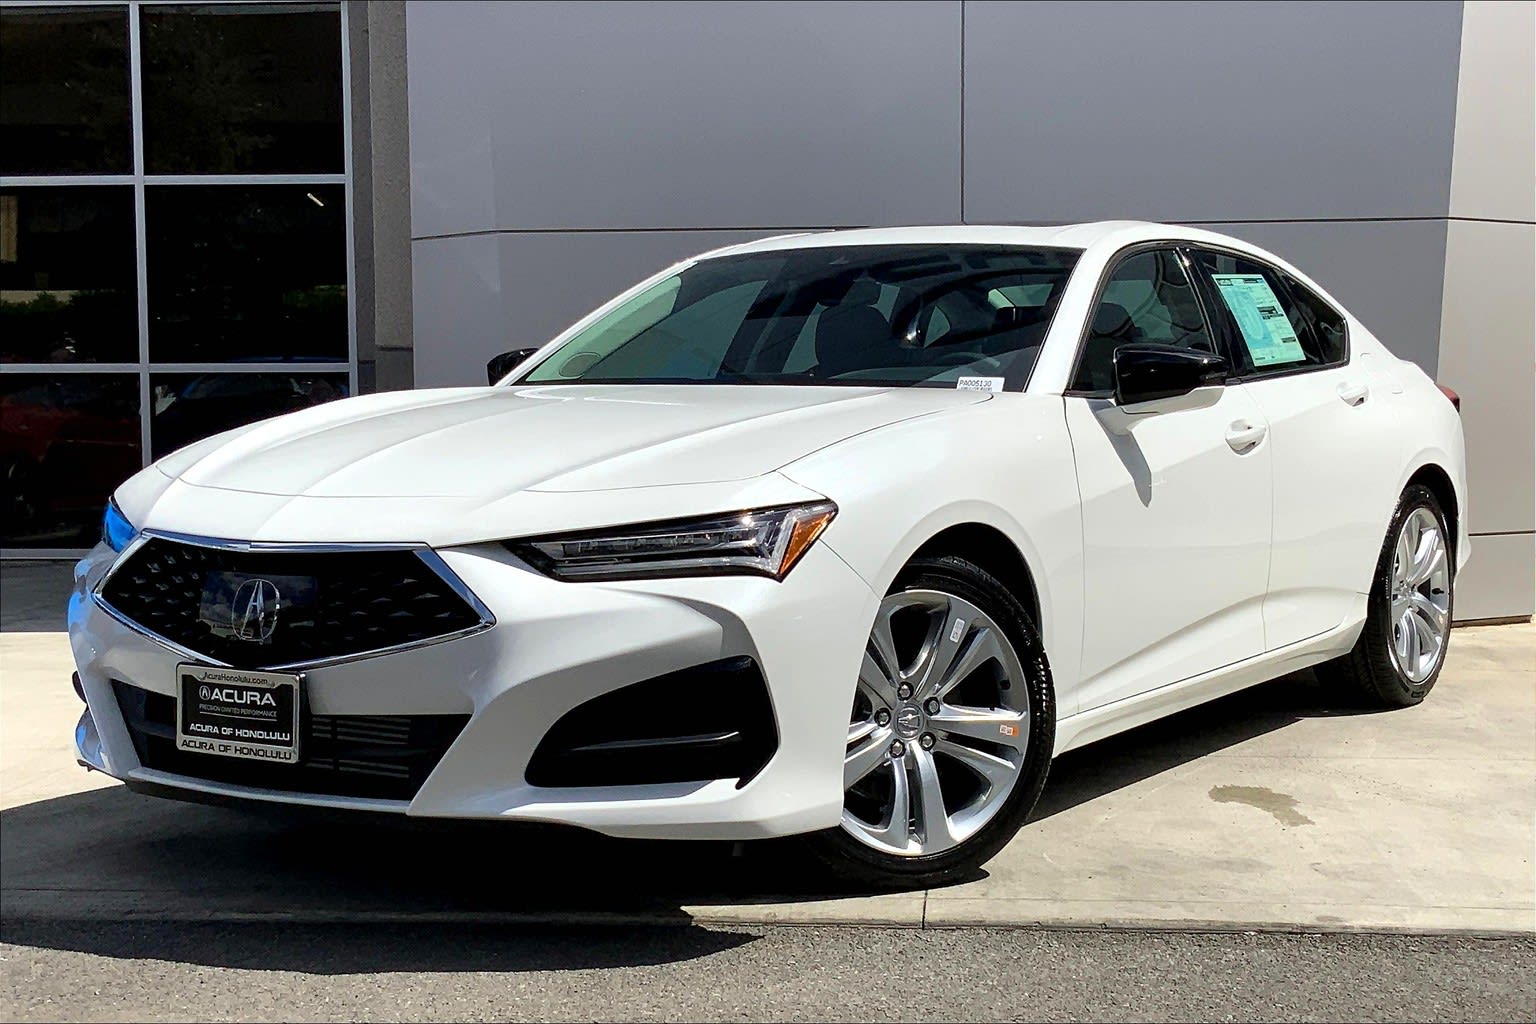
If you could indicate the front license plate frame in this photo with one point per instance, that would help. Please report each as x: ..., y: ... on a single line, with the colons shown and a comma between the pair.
x: 239, y: 713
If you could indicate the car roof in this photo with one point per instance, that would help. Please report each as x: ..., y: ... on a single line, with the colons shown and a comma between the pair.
x: 1112, y: 233
x: 1100, y: 238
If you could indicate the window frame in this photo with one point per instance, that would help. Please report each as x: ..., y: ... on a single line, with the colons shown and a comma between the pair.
x: 1244, y: 372
x: 1219, y: 338
x: 138, y: 178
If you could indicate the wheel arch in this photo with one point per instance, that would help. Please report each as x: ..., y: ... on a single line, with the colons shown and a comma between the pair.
x: 993, y: 550
x: 1433, y: 476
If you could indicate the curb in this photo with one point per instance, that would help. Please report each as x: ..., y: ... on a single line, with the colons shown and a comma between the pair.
x: 34, y: 906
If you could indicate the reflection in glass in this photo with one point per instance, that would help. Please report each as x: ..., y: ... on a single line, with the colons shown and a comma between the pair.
x: 67, y: 278
x: 66, y: 441
x: 64, y: 91
x: 242, y: 89
x: 239, y: 272
x: 188, y: 407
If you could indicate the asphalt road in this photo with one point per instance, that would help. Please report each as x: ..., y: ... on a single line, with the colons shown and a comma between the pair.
x: 65, y: 970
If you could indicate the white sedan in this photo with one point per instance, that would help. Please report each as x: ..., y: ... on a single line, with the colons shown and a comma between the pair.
x: 845, y: 534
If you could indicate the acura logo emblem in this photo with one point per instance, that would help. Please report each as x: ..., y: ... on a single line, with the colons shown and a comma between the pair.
x: 909, y: 721
x: 253, y: 612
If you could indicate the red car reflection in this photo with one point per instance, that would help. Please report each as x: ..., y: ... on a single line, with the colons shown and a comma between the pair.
x: 65, y: 444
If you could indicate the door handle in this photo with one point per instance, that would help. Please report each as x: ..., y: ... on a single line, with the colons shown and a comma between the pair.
x: 1354, y: 394
x: 1244, y: 437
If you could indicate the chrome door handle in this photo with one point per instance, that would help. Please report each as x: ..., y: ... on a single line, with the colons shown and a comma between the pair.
x: 1244, y: 437
x: 1354, y: 394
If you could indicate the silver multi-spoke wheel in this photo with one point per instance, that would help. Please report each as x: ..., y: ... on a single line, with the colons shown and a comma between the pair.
x: 1421, y: 595
x: 1402, y: 644
x: 940, y: 725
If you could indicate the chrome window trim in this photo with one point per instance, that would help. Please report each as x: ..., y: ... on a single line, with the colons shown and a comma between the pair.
x: 430, y: 558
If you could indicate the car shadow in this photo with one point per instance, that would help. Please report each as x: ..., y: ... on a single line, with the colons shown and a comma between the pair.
x: 338, y: 948
x: 320, y: 892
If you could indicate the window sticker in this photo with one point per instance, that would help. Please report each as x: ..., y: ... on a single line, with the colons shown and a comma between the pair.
x: 1270, y: 338
x: 993, y: 384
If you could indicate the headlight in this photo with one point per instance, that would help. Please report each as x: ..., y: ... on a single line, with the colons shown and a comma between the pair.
x: 116, y: 530
x: 759, y: 542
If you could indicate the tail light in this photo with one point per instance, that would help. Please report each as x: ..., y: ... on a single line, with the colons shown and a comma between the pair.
x: 1453, y: 396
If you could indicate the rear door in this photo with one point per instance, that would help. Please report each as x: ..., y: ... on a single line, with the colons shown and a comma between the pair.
x: 1331, y: 431
x: 1175, y: 506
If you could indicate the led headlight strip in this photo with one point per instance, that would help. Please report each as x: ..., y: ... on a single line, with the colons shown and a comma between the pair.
x: 757, y: 542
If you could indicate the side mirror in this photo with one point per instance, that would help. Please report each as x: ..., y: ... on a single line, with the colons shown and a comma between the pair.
x: 1152, y: 373
x: 501, y: 365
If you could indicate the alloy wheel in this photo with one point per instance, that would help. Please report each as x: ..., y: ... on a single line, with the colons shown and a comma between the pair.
x: 1421, y: 596
x: 939, y: 728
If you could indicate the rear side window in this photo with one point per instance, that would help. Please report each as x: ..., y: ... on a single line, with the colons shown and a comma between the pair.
x: 1326, y: 322
x: 1274, y: 329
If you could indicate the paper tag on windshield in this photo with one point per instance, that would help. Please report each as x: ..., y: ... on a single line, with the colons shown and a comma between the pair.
x: 993, y: 384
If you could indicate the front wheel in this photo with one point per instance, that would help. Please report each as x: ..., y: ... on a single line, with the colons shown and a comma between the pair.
x: 951, y: 730
x: 1407, y: 628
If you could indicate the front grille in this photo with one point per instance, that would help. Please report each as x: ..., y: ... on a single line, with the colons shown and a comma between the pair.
x: 378, y: 756
x: 353, y: 601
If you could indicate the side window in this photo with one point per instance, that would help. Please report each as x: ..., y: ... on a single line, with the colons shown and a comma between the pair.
x: 1326, y: 322
x: 1147, y: 300
x: 1272, y: 333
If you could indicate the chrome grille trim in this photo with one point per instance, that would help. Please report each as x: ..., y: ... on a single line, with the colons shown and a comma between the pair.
x: 433, y: 561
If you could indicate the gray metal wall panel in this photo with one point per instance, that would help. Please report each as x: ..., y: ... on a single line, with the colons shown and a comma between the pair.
x: 1488, y: 327
x: 545, y: 134
x: 1494, y: 173
x: 1387, y: 273
x: 489, y: 293
x: 1182, y: 111
x: 456, y: 294
x: 616, y: 115
x: 1499, y: 581
x: 1490, y: 324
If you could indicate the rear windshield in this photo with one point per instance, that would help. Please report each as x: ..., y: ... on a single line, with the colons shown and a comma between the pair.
x: 877, y: 316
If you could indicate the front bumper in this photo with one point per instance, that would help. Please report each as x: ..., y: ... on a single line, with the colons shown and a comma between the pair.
x: 554, y: 646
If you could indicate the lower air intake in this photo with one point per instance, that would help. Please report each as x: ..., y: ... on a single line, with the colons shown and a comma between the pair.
x: 712, y: 721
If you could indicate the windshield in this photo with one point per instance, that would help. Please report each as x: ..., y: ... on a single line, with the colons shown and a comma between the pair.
x: 887, y: 315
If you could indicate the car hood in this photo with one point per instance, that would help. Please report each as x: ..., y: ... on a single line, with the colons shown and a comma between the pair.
x: 487, y: 443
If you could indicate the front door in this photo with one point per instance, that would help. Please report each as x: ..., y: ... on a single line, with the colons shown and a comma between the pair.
x: 1175, y: 505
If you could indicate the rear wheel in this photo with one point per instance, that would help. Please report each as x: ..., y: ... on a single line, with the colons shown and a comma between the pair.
x: 1408, y: 620
x: 950, y: 734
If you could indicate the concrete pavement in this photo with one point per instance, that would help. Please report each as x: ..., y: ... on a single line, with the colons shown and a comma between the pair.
x: 149, y: 971
x: 1273, y: 808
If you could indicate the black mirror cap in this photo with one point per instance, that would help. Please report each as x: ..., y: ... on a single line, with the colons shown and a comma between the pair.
x: 504, y: 363
x: 1147, y: 373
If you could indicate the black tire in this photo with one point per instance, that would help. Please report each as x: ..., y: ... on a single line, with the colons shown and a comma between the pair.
x: 1368, y: 674
x: 867, y: 867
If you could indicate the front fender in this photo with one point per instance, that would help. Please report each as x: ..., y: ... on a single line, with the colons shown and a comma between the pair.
x: 1006, y: 464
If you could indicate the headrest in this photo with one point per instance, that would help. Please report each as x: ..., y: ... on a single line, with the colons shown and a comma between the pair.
x: 863, y: 292
x: 853, y: 337
x: 1013, y: 317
